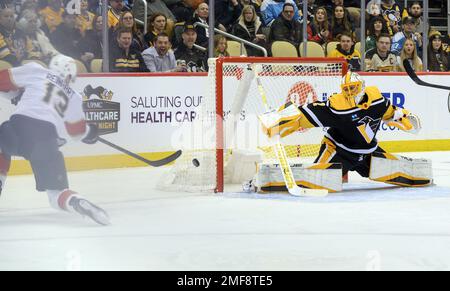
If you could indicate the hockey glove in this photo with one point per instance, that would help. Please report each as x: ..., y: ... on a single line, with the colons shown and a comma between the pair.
x: 282, y: 122
x: 91, y: 136
x: 405, y: 120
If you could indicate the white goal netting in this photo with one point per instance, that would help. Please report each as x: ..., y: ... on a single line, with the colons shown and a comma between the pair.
x: 227, y: 120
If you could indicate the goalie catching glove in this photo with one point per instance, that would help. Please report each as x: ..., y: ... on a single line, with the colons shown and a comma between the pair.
x: 405, y: 120
x: 283, y: 121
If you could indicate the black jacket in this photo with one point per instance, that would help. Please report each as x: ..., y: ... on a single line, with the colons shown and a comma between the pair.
x: 119, y: 61
x: 284, y: 30
x: 66, y: 40
x: 240, y: 30
x: 195, y: 59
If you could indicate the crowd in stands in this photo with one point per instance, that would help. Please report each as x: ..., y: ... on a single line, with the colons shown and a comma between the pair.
x: 40, y: 29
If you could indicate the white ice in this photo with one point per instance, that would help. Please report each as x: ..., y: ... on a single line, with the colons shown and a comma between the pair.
x: 369, y: 226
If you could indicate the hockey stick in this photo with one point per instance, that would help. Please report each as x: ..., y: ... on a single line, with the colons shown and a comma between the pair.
x: 416, y: 79
x: 286, y: 170
x: 156, y: 163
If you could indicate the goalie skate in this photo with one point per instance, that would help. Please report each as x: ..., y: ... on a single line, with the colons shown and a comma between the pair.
x: 86, y: 208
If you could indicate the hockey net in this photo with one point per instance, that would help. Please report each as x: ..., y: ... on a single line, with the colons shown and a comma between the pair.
x: 227, y: 121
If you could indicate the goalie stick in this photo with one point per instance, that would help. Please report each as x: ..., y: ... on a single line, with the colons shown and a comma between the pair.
x: 285, y: 168
x: 410, y: 71
x: 156, y: 163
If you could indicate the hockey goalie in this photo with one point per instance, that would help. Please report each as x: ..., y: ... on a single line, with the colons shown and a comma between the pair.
x: 352, y: 118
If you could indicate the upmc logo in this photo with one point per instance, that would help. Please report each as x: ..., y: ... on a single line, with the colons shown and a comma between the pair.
x: 397, y: 99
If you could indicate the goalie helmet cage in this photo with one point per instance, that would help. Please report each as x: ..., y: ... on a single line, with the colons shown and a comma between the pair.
x: 227, y: 119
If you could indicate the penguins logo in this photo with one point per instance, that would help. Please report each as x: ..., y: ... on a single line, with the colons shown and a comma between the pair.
x: 99, y: 91
x: 368, y: 127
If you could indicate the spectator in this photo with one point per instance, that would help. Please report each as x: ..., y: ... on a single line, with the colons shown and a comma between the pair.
x: 114, y: 13
x: 415, y: 11
x: 202, y: 15
x: 285, y: 28
x: 91, y: 45
x: 312, y: 6
x: 319, y: 30
x: 376, y: 27
x: 124, y: 58
x: 156, y: 25
x: 346, y: 49
x: 128, y: 21
x: 391, y: 12
x: 194, y: 58
x: 352, y: 17
x: 226, y: 13
x: 271, y: 10
x: 220, y: 46
x: 117, y: 7
x: 6, y: 4
x: 340, y: 22
x: 249, y: 28
x: 12, y: 41
x: 160, y: 58
x: 67, y: 36
x: 52, y: 15
x: 154, y: 6
x: 28, y: 5
x: 256, y: 5
x: 380, y: 58
x: 373, y: 10
x: 37, y: 45
x: 438, y: 60
x: 409, y: 52
x: 407, y: 32
x: 183, y: 11
x: 85, y: 20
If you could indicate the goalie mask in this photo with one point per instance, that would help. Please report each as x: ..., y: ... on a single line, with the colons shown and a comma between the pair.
x: 64, y: 67
x: 353, y: 87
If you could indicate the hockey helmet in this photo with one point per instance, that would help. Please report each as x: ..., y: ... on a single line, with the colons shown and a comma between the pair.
x: 64, y: 66
x: 353, y: 87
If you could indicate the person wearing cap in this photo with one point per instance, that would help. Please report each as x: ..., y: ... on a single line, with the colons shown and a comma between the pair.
x: 195, y: 59
x: 399, y: 38
x: 438, y: 60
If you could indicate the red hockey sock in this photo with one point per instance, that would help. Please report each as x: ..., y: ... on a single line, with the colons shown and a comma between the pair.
x: 64, y: 198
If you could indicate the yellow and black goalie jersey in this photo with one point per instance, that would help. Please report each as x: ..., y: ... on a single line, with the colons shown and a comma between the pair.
x: 352, y: 128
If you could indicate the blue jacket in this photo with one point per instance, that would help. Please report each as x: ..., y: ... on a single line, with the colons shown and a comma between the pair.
x: 270, y: 10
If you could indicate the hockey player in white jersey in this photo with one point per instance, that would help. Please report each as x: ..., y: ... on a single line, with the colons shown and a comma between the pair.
x: 48, y: 110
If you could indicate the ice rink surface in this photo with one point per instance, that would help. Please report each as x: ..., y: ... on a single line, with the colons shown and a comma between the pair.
x: 370, y: 226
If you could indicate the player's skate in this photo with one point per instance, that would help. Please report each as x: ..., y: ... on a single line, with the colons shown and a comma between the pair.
x: 86, y: 208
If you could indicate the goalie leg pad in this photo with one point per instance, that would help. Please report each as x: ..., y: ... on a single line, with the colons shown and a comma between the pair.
x: 312, y: 176
x: 241, y: 166
x: 399, y: 170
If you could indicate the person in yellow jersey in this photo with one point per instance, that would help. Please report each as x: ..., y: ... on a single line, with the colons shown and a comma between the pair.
x: 346, y: 49
x: 353, y: 118
x: 52, y: 15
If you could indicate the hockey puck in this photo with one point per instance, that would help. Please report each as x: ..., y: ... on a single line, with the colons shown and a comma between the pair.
x: 195, y: 162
